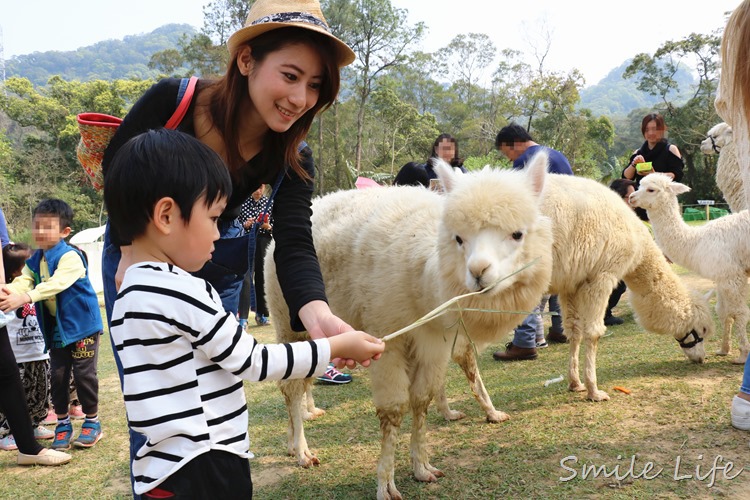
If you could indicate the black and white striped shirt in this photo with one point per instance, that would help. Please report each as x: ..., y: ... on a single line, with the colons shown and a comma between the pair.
x: 183, y: 360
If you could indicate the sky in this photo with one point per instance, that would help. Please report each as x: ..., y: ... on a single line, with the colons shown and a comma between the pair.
x: 593, y: 36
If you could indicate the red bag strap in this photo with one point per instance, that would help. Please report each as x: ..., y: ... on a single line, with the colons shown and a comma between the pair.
x: 182, y: 108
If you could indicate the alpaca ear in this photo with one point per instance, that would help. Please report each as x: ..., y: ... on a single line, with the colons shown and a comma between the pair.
x: 536, y: 171
x: 677, y: 188
x: 445, y: 173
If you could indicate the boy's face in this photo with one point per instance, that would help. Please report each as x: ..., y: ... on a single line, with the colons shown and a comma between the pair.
x: 47, y: 231
x: 193, y: 242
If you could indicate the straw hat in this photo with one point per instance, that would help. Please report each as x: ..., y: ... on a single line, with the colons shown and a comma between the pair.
x: 267, y: 15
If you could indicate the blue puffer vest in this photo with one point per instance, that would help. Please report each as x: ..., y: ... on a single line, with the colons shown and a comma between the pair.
x: 78, y: 313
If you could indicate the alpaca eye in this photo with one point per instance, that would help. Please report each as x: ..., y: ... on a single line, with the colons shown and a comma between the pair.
x: 517, y: 235
x: 459, y: 240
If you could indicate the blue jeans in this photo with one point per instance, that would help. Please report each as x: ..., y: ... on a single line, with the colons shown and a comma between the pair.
x: 745, y: 387
x: 532, y: 328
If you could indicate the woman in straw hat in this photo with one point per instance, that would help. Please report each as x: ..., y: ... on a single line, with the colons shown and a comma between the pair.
x: 733, y: 105
x: 284, y: 69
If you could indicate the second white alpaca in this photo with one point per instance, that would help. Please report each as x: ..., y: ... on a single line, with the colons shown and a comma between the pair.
x: 718, y: 251
x: 719, y: 140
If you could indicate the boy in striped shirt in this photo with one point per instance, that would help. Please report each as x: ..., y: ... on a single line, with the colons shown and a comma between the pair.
x: 183, y: 356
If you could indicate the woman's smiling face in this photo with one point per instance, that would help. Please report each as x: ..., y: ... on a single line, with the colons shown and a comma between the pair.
x: 284, y: 85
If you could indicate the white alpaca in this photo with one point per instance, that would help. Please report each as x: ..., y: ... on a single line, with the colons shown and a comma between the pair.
x: 719, y: 141
x: 599, y: 241
x: 390, y: 255
x: 718, y: 251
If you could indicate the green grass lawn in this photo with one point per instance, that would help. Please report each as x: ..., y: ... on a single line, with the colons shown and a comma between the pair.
x: 677, y: 411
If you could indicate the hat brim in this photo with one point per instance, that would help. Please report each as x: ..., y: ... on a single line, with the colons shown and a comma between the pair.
x: 345, y: 56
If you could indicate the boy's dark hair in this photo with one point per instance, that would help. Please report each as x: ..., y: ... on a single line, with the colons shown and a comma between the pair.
x: 511, y: 134
x: 157, y: 164
x: 14, y: 257
x: 56, y: 207
x: 620, y: 186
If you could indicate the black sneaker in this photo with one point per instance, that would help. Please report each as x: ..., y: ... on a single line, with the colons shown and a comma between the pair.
x: 613, y: 320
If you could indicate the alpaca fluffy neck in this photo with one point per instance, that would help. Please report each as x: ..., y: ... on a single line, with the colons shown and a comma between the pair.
x: 672, y: 234
x: 659, y: 298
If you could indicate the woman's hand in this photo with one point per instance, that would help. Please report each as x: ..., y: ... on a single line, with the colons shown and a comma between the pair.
x: 321, y: 323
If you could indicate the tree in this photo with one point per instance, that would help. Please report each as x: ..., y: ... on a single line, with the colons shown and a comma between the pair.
x: 464, y: 60
x: 167, y: 61
x: 380, y: 37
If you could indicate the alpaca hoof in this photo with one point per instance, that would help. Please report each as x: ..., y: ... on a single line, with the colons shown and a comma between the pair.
x: 453, y: 415
x: 722, y: 352
x: 576, y: 387
x: 307, y: 459
x: 427, y: 473
x: 389, y: 492
x: 598, y: 396
x: 317, y: 412
x: 740, y: 360
x: 497, y: 416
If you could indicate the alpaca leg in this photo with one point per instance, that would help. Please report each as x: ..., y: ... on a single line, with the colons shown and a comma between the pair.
x: 294, y: 392
x: 390, y: 392
x: 586, y: 310
x: 311, y: 412
x: 445, y: 409
x: 423, y: 471
x: 741, y: 317
x: 466, y: 359
x: 572, y: 326
x: 427, y: 376
x: 726, y: 320
x: 594, y: 393
x: 390, y: 422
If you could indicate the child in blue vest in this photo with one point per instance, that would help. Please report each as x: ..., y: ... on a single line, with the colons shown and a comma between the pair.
x: 55, y: 279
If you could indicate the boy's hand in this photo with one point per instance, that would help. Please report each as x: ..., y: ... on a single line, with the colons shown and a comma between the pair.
x: 321, y: 323
x: 13, y: 301
x: 358, y: 346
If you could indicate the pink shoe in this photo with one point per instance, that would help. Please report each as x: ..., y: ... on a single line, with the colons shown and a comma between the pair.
x: 76, y: 412
x: 51, y: 418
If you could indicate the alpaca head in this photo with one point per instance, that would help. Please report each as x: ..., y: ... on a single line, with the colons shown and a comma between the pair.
x: 491, y: 226
x: 719, y: 136
x: 657, y: 190
x: 702, y: 327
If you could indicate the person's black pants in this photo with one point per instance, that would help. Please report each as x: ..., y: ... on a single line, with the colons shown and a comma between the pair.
x: 13, y: 399
x: 614, y: 298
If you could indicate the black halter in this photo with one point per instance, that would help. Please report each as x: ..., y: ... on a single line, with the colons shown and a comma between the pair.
x: 687, y: 345
x: 716, y: 148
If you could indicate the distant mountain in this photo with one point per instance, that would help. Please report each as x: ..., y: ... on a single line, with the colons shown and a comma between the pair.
x: 107, y: 60
x: 616, y: 96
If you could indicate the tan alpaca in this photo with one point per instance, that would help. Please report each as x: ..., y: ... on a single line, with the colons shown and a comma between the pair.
x: 598, y: 241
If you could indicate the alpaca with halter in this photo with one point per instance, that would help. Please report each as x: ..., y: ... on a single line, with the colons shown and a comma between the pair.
x: 717, y: 250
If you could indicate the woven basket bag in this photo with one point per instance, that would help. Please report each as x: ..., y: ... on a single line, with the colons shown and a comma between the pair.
x: 97, y: 130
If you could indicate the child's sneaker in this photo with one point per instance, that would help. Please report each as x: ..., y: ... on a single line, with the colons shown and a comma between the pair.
x: 91, y: 433
x: 76, y: 412
x: 8, y: 443
x: 40, y: 432
x: 262, y: 320
x: 333, y: 376
x: 243, y: 324
x: 63, y: 433
x: 51, y: 418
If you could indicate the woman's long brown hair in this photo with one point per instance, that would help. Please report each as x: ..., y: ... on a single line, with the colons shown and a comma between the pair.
x: 737, y: 35
x: 229, y: 91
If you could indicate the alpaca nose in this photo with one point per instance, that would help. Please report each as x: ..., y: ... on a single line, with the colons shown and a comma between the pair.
x: 478, y: 269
